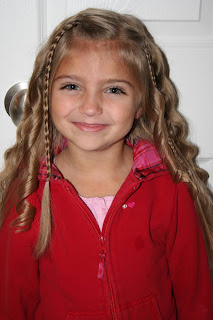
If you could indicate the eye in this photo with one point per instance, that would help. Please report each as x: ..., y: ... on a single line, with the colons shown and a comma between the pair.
x: 70, y: 87
x: 115, y: 90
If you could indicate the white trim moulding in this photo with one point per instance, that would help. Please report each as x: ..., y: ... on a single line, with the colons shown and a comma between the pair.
x: 191, y: 42
x: 42, y: 19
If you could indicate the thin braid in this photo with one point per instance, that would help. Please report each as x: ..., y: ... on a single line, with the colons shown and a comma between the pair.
x: 151, y: 69
x: 46, y: 102
x: 177, y: 156
x: 45, y: 222
x: 46, y: 93
x: 169, y: 140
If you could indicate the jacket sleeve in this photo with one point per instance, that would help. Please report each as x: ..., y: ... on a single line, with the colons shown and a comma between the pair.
x: 187, y: 260
x: 19, y: 273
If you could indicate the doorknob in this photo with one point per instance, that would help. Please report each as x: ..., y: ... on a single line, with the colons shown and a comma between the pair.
x: 14, y: 101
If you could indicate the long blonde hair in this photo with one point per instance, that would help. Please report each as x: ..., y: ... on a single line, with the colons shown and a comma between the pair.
x: 161, y: 122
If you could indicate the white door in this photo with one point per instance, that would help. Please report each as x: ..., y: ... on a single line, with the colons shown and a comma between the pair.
x: 184, y: 29
x: 20, y: 26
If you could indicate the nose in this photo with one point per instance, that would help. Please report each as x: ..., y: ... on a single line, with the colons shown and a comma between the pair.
x: 91, y: 105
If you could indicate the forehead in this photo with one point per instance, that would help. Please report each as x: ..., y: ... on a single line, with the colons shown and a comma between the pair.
x: 89, y: 54
x: 103, y: 47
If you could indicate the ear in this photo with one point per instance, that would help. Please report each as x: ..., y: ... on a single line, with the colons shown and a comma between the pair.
x: 138, y: 112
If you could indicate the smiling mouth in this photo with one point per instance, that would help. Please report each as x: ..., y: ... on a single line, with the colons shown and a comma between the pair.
x: 90, y: 127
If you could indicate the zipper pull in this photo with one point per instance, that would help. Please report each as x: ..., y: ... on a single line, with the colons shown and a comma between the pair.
x: 102, y: 239
x: 101, y: 265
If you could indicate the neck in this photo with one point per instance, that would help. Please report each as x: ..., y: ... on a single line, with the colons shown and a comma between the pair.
x: 104, y: 161
x: 96, y: 173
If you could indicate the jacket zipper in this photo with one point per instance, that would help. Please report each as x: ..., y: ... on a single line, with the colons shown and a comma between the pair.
x: 102, y: 262
x: 113, y: 311
x: 102, y: 254
x: 101, y: 269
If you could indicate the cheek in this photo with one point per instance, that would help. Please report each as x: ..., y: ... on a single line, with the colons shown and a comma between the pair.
x: 126, y: 119
x: 60, y: 107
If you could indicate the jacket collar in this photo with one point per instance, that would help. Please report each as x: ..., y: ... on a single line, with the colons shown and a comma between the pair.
x: 146, y: 162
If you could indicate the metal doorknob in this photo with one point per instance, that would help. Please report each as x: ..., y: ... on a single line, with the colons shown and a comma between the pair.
x: 15, y: 100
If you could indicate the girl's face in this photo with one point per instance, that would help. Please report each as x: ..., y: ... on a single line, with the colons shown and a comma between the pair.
x: 94, y: 98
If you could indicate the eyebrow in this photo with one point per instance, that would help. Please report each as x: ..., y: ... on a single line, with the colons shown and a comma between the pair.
x: 64, y: 76
x: 119, y: 80
x: 107, y: 81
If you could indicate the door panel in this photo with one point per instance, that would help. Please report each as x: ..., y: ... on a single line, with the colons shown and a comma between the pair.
x: 20, y: 36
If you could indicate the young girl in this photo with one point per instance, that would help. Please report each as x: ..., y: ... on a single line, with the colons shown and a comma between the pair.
x: 101, y: 197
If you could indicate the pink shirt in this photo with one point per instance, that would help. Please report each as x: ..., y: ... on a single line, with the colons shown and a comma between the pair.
x: 99, y: 207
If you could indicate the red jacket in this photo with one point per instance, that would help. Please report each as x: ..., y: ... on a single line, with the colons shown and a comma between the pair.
x: 149, y: 262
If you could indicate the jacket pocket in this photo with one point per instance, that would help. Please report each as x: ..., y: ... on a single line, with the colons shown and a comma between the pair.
x: 102, y: 315
x: 146, y: 309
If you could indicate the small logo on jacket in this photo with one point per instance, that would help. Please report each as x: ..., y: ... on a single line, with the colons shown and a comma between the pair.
x: 129, y: 204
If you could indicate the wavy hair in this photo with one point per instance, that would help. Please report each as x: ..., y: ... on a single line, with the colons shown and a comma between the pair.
x: 160, y: 123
